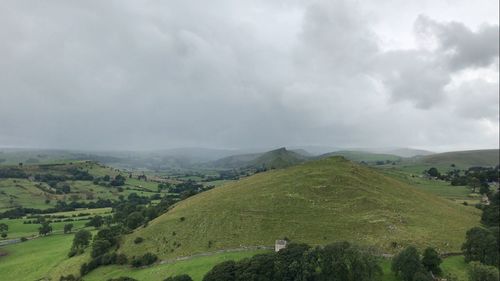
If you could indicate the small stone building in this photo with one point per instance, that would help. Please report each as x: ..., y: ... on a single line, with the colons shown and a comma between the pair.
x: 280, y: 244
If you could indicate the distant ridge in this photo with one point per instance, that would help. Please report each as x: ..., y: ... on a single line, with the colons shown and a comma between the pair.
x: 274, y: 159
x: 468, y: 158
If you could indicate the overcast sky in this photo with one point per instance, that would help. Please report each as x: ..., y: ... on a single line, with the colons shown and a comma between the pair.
x: 239, y: 74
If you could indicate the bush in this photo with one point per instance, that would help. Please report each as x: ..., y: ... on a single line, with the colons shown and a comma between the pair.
x: 24, y: 239
x: 70, y: 277
x: 407, y: 263
x: 121, y: 259
x: 481, y: 272
x: 123, y: 278
x: 146, y: 259
x: 431, y: 261
x: 183, y: 277
x: 138, y: 240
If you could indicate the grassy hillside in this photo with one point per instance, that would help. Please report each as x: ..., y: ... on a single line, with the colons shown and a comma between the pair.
x: 28, y: 191
x: 274, y: 159
x: 487, y: 157
x: 362, y: 156
x: 277, y: 159
x: 317, y: 202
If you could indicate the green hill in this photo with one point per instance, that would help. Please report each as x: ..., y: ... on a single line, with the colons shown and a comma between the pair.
x: 362, y: 156
x: 42, y: 185
x: 274, y: 159
x: 317, y: 202
x: 487, y: 157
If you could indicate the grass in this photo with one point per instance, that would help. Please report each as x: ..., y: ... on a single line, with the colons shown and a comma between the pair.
x: 441, y: 188
x: 24, y: 192
x: 34, y: 259
x: 47, y: 258
x: 318, y: 202
x: 486, y: 157
x: 19, y: 229
x: 456, y: 266
x: 196, y: 268
x: 359, y: 156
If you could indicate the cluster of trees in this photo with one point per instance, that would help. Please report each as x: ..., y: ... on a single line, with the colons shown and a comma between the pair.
x: 477, y: 178
x: 188, y: 188
x: 136, y: 210
x: 409, y: 266
x: 481, y: 246
x: 128, y: 214
x: 144, y: 260
x: 13, y: 172
x: 4, y: 228
x: 60, y: 206
x: 103, y: 248
x: 339, y: 261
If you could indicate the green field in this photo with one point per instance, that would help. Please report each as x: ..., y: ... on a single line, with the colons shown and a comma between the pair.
x: 35, y: 259
x: 439, y: 187
x: 34, y: 194
x: 318, y: 202
x: 19, y: 229
x: 46, y: 258
x: 195, y: 267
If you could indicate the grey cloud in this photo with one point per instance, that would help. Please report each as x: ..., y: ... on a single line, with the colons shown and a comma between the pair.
x: 127, y: 74
x: 459, y: 45
x: 421, y: 75
x: 477, y: 99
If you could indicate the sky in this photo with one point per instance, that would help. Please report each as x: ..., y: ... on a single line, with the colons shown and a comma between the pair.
x: 147, y: 75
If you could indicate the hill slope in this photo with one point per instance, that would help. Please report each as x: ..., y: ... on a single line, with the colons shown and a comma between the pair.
x: 487, y: 157
x: 316, y: 202
x: 362, y: 156
x: 274, y: 159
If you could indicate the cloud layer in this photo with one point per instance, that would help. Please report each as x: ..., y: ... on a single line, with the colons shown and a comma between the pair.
x: 127, y: 75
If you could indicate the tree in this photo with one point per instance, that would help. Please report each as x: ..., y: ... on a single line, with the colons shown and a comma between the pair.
x: 473, y: 183
x: 422, y: 275
x: 484, y: 189
x: 225, y: 271
x: 45, y: 229
x: 491, y: 213
x: 3, y: 229
x: 99, y: 247
x: 480, y: 272
x: 134, y: 220
x: 407, y: 263
x: 81, y: 239
x: 431, y: 261
x: 433, y: 172
x: 96, y: 221
x: 68, y: 227
x: 481, y: 245
x: 66, y: 188
x: 183, y: 277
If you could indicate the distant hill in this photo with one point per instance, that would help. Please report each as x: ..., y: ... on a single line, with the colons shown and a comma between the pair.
x: 408, y: 152
x: 362, y: 156
x: 40, y: 186
x: 469, y: 158
x: 274, y: 159
x: 316, y: 202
